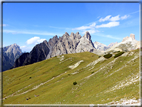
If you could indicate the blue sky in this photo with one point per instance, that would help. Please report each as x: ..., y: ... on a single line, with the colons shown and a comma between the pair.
x: 27, y: 24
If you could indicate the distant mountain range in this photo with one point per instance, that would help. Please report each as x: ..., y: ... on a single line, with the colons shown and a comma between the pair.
x: 66, y: 44
x: 127, y: 44
x: 10, y: 54
x: 102, y: 47
x: 38, y: 53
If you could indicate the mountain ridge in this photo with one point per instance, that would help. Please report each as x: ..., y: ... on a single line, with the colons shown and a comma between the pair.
x: 38, y: 53
x: 72, y: 43
x: 10, y: 54
x: 127, y: 44
x: 66, y: 44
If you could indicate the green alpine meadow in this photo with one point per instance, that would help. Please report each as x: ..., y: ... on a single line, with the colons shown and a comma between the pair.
x: 78, y: 78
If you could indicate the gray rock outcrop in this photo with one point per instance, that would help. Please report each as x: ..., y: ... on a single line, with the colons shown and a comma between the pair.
x: 127, y: 44
x: 65, y: 45
x: 38, y: 53
x: 102, y: 47
x: 85, y: 44
x: 20, y: 60
x: 132, y: 36
x: 51, y: 44
x: 10, y: 54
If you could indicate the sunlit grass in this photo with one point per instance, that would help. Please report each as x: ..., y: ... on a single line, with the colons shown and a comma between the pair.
x: 60, y: 88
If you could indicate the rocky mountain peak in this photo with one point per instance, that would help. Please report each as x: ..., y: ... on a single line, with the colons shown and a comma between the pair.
x: 99, y: 43
x: 14, y: 48
x: 85, y: 44
x: 72, y: 33
x: 66, y: 34
x: 55, y: 38
x: 14, y: 44
x: 127, y: 44
x: 45, y: 41
x: 124, y: 39
x: 100, y: 46
x: 112, y: 44
x: 10, y: 54
x: 132, y: 36
x: 77, y: 33
x: 38, y: 53
x: 72, y: 36
x: 87, y: 35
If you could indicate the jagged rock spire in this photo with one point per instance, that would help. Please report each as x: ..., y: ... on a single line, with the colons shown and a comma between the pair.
x: 87, y: 35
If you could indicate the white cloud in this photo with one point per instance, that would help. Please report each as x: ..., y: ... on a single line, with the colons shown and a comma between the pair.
x: 90, y: 28
x: 92, y: 25
x: 30, y: 43
x: 85, y: 27
x: 105, y: 19
x: 82, y: 28
x: 110, y: 24
x: 114, y: 18
x: 26, y: 48
x: 34, y: 40
x: 22, y: 47
x: 40, y: 40
x: 124, y: 17
x: 30, y: 32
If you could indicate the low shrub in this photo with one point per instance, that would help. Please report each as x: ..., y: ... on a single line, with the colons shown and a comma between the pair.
x: 108, y: 55
x: 74, y: 83
x: 99, y: 56
x: 118, y: 54
x: 92, y: 72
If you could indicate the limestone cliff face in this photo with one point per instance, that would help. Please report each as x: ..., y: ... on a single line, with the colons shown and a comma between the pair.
x: 85, y: 44
x: 51, y: 44
x: 65, y: 45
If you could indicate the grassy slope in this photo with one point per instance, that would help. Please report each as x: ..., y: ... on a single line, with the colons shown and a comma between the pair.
x: 60, y: 88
